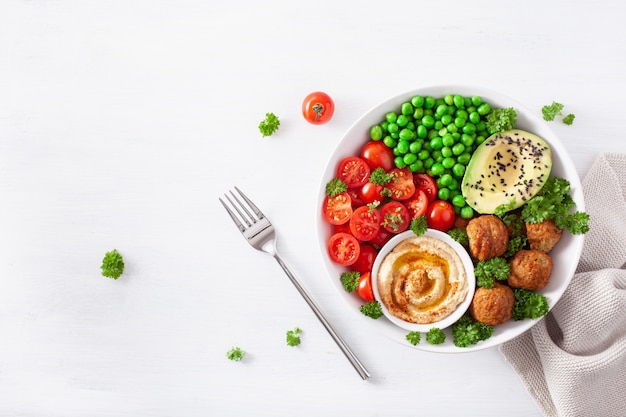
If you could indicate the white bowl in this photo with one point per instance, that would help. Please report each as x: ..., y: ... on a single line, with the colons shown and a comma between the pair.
x: 565, y: 255
x: 469, y: 273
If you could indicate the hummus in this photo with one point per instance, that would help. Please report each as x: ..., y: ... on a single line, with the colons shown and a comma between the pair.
x: 422, y: 280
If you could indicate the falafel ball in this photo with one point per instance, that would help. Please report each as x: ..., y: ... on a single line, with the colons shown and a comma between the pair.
x: 492, y: 306
x: 543, y: 236
x: 488, y: 237
x: 530, y: 269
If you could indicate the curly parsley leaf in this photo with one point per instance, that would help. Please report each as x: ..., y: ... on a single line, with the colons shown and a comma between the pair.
x: 293, y: 336
x: 269, y: 125
x: 569, y: 119
x: 235, y: 354
x: 499, y: 120
x: 435, y: 336
x: 551, y: 111
x: 350, y: 280
x: 372, y: 309
x: 380, y: 177
x: 419, y: 225
x: 335, y: 187
x: 112, y: 264
x: 487, y: 272
x: 413, y: 337
x: 467, y: 331
x: 460, y: 235
x: 529, y: 305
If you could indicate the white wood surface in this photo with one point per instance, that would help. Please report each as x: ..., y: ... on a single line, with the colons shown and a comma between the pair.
x: 122, y: 121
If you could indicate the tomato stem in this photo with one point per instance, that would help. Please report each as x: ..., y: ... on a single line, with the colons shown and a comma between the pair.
x: 318, y: 108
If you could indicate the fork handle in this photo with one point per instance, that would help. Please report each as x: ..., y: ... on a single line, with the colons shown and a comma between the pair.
x: 342, y: 345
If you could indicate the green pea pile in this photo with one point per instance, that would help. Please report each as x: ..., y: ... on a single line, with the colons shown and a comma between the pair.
x: 437, y: 136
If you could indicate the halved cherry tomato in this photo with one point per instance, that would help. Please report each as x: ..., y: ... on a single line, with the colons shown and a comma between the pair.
x: 395, y: 217
x: 353, y: 171
x: 370, y: 192
x: 355, y: 195
x: 401, y: 185
x: 417, y: 204
x: 365, y: 262
x: 427, y: 184
x: 343, y: 248
x: 365, y: 289
x: 318, y: 108
x: 377, y: 154
x: 337, y: 209
x: 381, y: 238
x: 440, y: 215
x: 365, y: 223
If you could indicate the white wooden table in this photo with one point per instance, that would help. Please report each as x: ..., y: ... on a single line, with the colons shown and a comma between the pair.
x: 122, y: 121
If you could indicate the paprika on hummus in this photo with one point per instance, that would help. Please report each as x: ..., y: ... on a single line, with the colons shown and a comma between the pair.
x: 422, y: 280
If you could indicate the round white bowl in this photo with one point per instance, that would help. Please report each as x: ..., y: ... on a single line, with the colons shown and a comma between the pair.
x: 469, y: 273
x: 565, y: 255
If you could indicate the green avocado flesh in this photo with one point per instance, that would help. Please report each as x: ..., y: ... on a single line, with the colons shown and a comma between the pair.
x: 507, y: 168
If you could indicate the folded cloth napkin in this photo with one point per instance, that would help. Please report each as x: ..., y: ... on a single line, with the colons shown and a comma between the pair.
x: 573, y: 361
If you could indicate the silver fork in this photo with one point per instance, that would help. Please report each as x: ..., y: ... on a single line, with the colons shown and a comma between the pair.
x: 260, y: 233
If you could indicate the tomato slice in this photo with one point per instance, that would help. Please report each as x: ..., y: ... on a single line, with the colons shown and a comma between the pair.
x: 365, y: 262
x: 440, y: 215
x: 395, y: 217
x: 371, y: 192
x: 365, y: 290
x: 427, y: 184
x: 365, y: 223
x: 337, y: 209
x: 401, y: 185
x: 343, y: 248
x: 378, y: 155
x: 418, y: 204
x: 353, y: 171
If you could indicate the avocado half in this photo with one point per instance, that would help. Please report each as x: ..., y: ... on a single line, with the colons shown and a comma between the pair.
x: 507, y: 168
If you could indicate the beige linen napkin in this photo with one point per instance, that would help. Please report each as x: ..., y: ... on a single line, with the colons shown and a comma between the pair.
x: 573, y: 362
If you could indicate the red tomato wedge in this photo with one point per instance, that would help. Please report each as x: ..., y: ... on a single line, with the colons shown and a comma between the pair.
x: 401, y: 185
x: 337, y: 209
x: 417, y: 204
x: 427, y: 184
x: 395, y: 217
x: 343, y: 248
x: 353, y: 171
x: 365, y: 223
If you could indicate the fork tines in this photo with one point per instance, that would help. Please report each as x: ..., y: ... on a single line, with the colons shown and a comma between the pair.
x: 243, y: 210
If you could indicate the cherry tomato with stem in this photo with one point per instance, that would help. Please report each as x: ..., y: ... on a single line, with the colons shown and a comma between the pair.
x: 318, y: 108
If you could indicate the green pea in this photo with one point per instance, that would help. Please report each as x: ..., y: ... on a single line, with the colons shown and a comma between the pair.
x: 417, y: 101
x: 446, y: 119
x: 454, y: 184
x: 446, y: 151
x: 395, y: 135
x: 441, y: 110
x: 458, y: 170
x: 462, y: 114
x: 447, y: 140
x: 438, y: 125
x: 376, y: 132
x: 407, y: 108
x: 452, y: 127
x: 469, y: 128
x: 391, y: 117
x: 448, y: 162
x: 436, y: 154
x: 464, y: 158
x: 467, y: 212
x: 392, y: 127
x: 448, y: 99
x: 399, y: 161
x: 411, y: 125
x: 458, y: 200
x: 435, y: 143
x: 437, y: 169
x: 417, y: 166
x: 407, y: 134
x: 415, y: 147
x: 481, y: 126
x: 428, y: 121
x: 428, y: 162
x: 483, y: 109
x: 446, y: 179
x: 390, y: 142
x: 410, y: 158
x: 418, y: 113
x: 458, y: 149
x: 396, y: 152
x: 459, y: 122
x: 422, y: 131
x: 474, y: 117
x: 402, y: 120
x: 443, y: 193
x: 480, y: 139
x: 467, y: 140
x: 443, y: 131
x: 429, y: 102
x: 423, y: 155
x: 403, y: 146
x: 432, y: 134
x: 476, y: 101
x: 459, y: 102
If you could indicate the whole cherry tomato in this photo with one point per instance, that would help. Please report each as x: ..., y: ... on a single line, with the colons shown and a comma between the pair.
x: 365, y: 290
x: 365, y: 261
x: 440, y: 215
x: 377, y: 154
x: 318, y: 108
